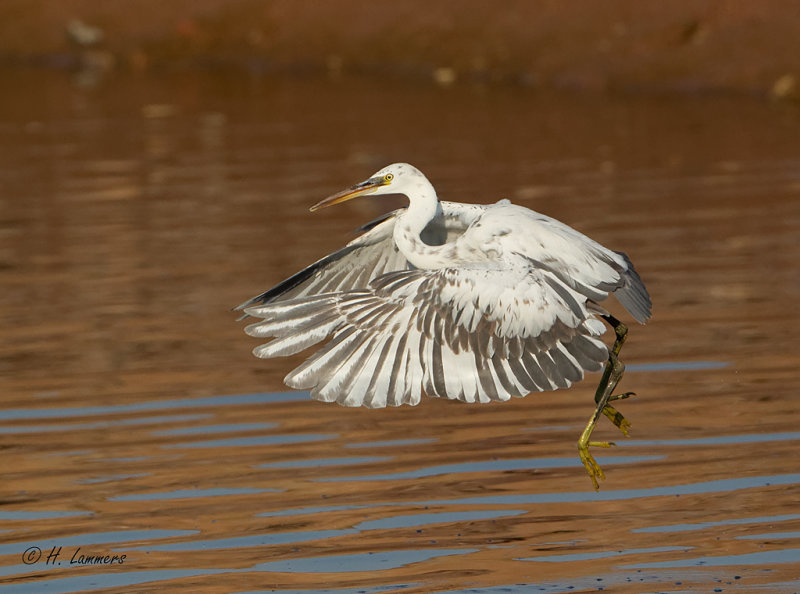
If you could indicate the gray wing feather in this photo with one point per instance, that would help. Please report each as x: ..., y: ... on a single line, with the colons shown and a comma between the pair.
x: 436, y: 331
x: 632, y: 294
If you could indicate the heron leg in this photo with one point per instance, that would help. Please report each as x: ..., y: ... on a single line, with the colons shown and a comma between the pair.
x: 608, y: 382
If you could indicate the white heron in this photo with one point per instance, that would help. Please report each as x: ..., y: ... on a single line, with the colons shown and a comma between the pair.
x: 463, y: 301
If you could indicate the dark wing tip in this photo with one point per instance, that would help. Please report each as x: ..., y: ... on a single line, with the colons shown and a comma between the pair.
x: 377, y: 221
x: 296, y: 280
x: 633, y: 295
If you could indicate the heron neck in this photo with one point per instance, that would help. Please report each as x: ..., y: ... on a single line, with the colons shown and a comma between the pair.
x: 422, y: 209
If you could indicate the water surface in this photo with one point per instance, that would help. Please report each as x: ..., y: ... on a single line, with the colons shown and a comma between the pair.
x: 135, y: 422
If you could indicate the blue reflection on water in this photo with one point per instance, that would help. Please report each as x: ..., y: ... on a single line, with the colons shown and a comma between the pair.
x: 358, y: 562
x: 722, y: 485
x: 95, y: 581
x: 100, y: 424
x: 223, y: 401
x: 413, y: 520
x: 730, y: 522
x: 70, y: 453
x: 95, y: 538
x: 255, y: 540
x: 779, y: 556
x: 191, y: 493
x: 301, y: 511
x: 276, y: 538
x: 110, y: 478
x: 390, y: 443
x: 359, y: 590
x: 603, y: 582
x: 770, y: 536
x: 203, y: 429
x: 792, y: 586
x: 256, y: 440
x: 589, y: 556
x: 549, y: 428
x: 488, y: 466
x: 718, y: 440
x: 317, y: 462
x: 40, y: 515
x: 268, y: 398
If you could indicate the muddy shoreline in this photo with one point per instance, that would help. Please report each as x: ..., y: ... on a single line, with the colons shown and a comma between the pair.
x: 684, y: 47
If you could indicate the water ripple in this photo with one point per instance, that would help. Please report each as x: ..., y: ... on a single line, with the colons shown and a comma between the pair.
x: 370, y: 562
x: 721, y: 485
x: 322, y: 462
x: 206, y: 401
x: 716, y: 440
x: 191, y: 494
x: 97, y: 538
x: 40, y: 515
x: 413, y: 520
x: 770, y: 536
x: 764, y: 558
x: 570, y: 557
x: 258, y: 440
x: 229, y: 428
x: 100, y: 424
x: 391, y: 443
x: 489, y: 466
x: 255, y: 540
x: 103, y: 580
x: 728, y: 522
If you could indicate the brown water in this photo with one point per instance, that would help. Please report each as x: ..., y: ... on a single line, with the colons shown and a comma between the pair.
x: 134, y: 212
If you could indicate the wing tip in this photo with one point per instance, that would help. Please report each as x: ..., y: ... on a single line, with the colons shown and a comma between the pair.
x: 632, y: 294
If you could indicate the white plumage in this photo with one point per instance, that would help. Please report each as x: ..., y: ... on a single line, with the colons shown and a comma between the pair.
x: 468, y: 302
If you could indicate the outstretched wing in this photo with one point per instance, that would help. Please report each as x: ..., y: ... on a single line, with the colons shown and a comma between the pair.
x: 368, y: 256
x: 474, y: 334
x: 354, y: 265
x: 575, y: 259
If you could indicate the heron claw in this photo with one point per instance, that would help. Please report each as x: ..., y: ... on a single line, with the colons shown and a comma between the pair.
x: 591, y: 465
x: 616, y: 417
x: 622, y: 396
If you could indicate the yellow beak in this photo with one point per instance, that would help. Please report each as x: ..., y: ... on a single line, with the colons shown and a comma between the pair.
x: 366, y: 187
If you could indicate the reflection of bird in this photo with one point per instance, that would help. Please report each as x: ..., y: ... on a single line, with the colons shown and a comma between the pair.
x: 83, y: 34
x: 461, y: 301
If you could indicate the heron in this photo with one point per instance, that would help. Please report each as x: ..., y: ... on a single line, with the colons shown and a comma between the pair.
x: 476, y: 303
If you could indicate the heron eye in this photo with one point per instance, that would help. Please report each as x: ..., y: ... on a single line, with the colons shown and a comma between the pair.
x: 388, y: 177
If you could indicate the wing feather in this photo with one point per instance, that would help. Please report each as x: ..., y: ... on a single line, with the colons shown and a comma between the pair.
x: 336, y: 379
x: 577, y: 261
x: 535, y: 371
x: 367, y: 257
x: 490, y: 329
x: 456, y: 333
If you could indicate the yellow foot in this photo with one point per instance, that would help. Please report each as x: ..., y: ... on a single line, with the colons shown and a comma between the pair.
x: 615, y: 416
x: 591, y: 465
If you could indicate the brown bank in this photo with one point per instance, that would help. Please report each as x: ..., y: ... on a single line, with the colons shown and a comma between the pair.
x: 620, y: 44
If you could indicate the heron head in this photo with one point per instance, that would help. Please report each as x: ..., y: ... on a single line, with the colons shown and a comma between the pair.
x: 389, y: 180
